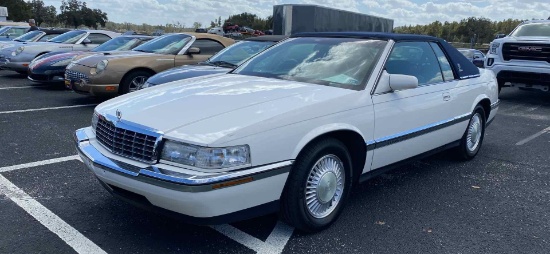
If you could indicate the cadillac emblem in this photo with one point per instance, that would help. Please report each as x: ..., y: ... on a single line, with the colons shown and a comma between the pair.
x: 118, y: 115
x: 530, y: 48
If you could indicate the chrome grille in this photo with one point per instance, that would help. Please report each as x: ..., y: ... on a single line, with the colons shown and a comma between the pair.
x: 126, y: 143
x: 526, y: 51
x: 75, y: 76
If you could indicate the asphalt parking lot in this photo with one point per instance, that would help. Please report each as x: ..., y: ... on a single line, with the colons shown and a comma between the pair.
x: 496, y: 203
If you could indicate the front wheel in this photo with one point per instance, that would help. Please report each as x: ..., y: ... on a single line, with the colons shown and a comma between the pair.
x: 473, y: 136
x: 318, y: 186
x: 134, y: 81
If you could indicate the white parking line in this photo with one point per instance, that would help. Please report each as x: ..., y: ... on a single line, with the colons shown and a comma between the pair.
x: 39, y: 163
x: 41, y: 109
x: 533, y: 136
x: 70, y: 235
x: 278, y: 238
x: 17, y: 87
x: 274, y: 244
x: 241, y: 237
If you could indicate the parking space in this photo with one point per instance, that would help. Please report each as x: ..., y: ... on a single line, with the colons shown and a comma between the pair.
x: 496, y: 203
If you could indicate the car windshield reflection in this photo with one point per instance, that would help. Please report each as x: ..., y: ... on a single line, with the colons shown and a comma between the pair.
x: 339, y: 62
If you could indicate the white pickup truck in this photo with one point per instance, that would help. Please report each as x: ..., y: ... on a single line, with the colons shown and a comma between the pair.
x: 522, y: 59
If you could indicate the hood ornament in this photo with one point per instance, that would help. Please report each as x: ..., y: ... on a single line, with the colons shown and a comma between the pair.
x: 118, y: 115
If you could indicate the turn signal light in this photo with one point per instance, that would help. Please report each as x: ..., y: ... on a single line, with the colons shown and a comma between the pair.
x: 232, y: 183
x: 110, y: 88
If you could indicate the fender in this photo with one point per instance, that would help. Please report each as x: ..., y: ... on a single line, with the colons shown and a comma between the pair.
x: 323, y: 130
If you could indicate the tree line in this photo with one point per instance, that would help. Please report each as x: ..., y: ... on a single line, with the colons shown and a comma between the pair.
x: 469, y: 30
x: 73, y: 13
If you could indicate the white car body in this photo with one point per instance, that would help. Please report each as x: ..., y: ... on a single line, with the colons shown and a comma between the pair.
x: 277, y: 119
x: 521, y: 61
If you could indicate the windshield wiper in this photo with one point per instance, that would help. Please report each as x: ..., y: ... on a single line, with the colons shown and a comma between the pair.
x: 223, y: 63
x: 18, y: 40
x: 141, y: 50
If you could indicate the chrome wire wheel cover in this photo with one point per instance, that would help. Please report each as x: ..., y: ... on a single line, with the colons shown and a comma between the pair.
x: 325, y: 186
x: 137, y: 83
x: 475, y: 130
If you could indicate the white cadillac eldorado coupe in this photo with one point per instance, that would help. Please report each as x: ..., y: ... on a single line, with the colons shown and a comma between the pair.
x: 290, y: 130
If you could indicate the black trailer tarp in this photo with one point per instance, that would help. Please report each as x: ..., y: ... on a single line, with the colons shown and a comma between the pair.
x: 294, y: 18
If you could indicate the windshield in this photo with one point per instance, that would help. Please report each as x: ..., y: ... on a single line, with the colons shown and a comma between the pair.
x: 168, y: 44
x: 30, y: 36
x: 340, y: 62
x: 533, y: 29
x: 118, y: 43
x: 239, y: 52
x: 68, y: 37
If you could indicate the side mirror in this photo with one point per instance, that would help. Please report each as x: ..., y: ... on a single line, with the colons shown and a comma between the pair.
x: 402, y: 82
x: 193, y: 51
x: 478, y: 63
x: 86, y: 41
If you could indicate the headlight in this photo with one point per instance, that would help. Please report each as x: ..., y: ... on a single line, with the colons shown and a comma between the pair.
x: 63, y: 62
x: 493, y: 48
x: 99, y: 68
x: 17, y: 51
x: 206, y: 157
x: 95, y: 119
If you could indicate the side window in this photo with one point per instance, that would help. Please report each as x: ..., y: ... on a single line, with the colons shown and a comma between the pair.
x: 98, y: 38
x: 47, y: 37
x: 207, y: 46
x: 443, y: 62
x: 415, y: 59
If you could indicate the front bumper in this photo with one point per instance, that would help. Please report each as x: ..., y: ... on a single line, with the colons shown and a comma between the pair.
x: 45, y: 75
x: 518, y: 73
x: 78, y: 80
x: 199, y: 198
x: 6, y: 64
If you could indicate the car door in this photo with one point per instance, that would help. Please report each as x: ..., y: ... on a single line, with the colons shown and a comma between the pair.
x: 413, y: 121
x: 208, y: 47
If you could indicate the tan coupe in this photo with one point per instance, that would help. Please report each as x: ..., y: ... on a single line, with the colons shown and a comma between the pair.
x: 110, y: 74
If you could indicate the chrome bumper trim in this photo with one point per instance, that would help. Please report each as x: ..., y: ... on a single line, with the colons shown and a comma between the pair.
x: 184, y: 182
x: 495, y: 104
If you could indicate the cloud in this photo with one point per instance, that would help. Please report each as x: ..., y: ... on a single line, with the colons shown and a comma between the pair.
x: 403, y: 12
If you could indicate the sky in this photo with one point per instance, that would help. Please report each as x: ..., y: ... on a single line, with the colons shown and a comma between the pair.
x: 403, y: 12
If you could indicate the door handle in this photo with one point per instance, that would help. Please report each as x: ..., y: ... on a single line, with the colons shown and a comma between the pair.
x: 446, y: 96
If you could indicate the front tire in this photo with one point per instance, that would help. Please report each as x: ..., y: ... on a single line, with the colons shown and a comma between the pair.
x: 473, y: 136
x: 133, y: 81
x: 318, y: 186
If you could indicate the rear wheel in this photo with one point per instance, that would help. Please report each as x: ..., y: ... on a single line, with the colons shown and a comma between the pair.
x: 473, y: 136
x: 134, y: 81
x: 318, y: 186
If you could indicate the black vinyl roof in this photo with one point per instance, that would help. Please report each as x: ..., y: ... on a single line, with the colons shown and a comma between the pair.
x: 274, y: 38
x: 461, y: 65
x: 370, y: 35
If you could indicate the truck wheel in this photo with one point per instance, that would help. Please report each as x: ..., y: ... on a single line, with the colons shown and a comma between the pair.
x: 473, y: 136
x: 133, y: 81
x: 318, y: 186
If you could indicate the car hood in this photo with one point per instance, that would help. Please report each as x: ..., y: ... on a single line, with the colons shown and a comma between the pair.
x: 185, y: 72
x: 543, y: 39
x: 92, y: 60
x: 205, y: 110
